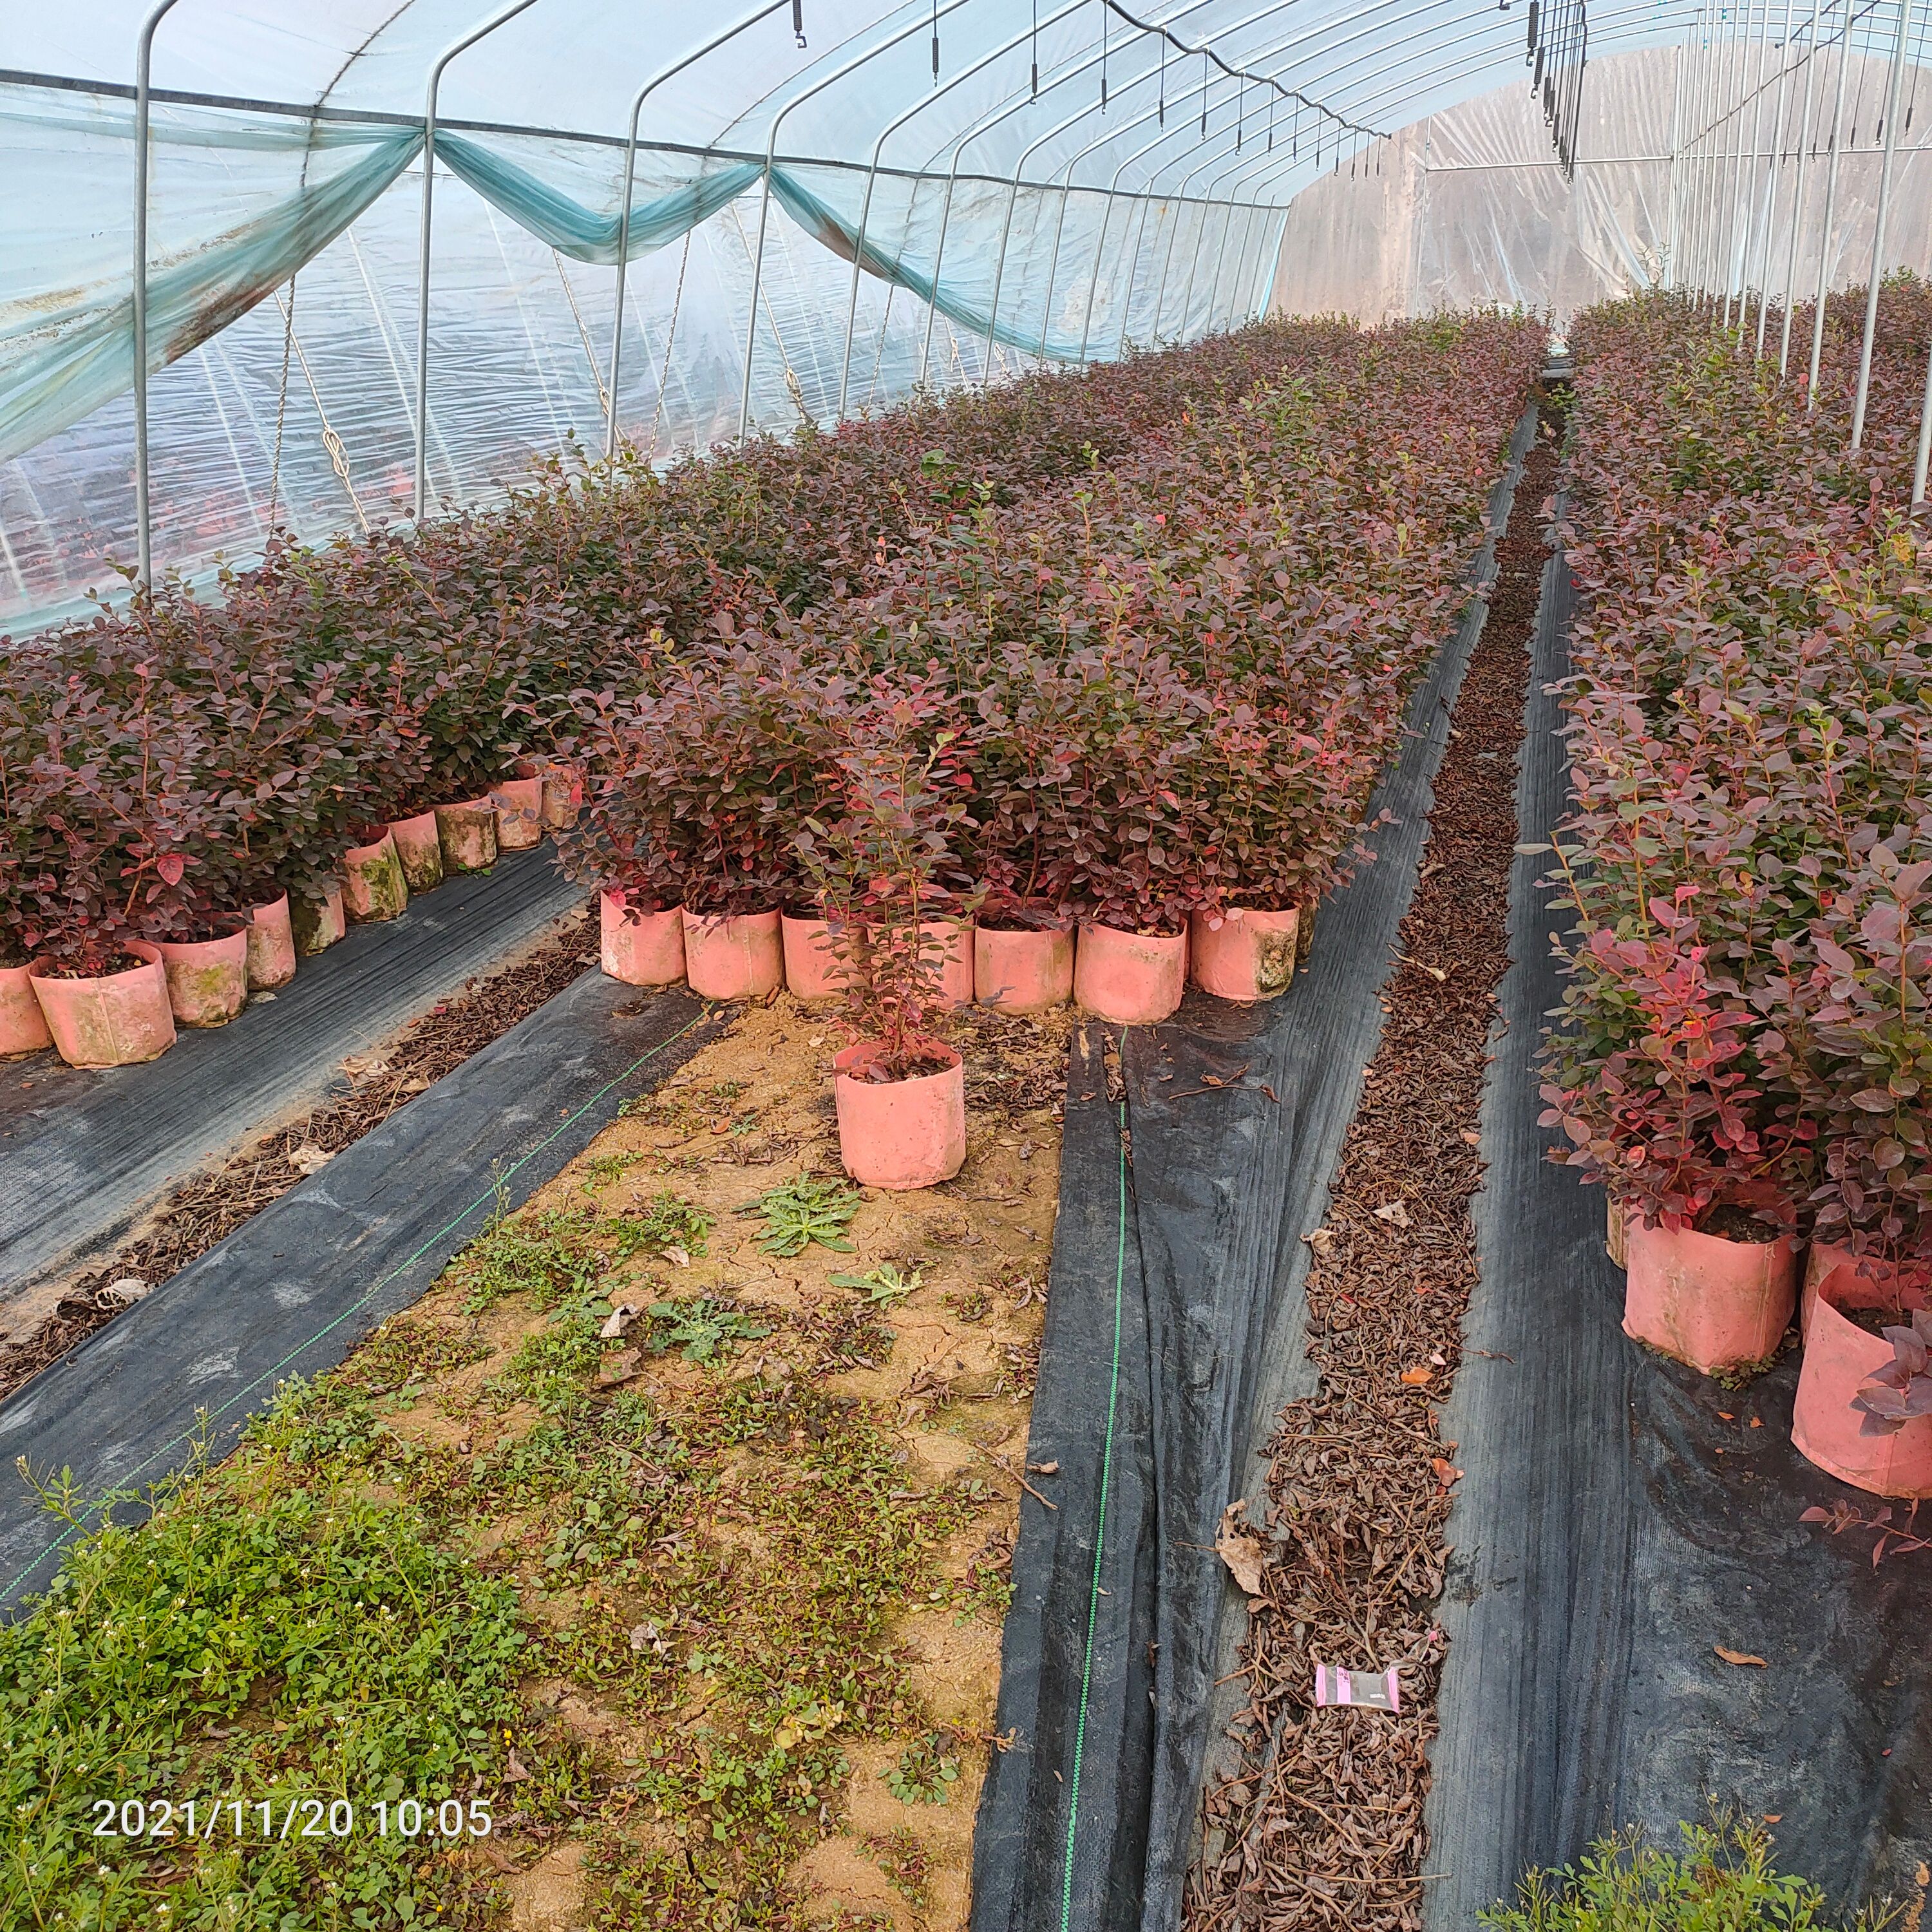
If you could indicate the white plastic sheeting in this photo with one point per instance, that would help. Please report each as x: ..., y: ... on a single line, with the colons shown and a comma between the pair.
x: 1461, y: 208
x: 1066, y: 183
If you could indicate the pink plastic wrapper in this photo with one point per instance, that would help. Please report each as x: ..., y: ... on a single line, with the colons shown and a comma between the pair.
x: 1371, y: 1690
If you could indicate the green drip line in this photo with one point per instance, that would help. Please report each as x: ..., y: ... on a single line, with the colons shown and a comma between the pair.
x: 240, y: 1395
x: 1100, y: 1541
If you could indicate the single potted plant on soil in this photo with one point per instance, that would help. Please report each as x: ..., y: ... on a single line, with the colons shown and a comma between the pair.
x: 1657, y: 1082
x: 900, y: 1091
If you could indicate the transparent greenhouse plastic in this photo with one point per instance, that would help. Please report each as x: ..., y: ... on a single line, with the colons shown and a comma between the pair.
x: 1054, y: 182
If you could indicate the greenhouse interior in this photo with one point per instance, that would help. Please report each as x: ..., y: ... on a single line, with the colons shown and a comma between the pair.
x: 1065, y: 873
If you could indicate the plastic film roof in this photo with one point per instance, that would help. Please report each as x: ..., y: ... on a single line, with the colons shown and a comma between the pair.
x: 1076, y: 177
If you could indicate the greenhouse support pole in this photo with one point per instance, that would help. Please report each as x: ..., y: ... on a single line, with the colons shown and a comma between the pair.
x: 144, y: 59
x: 642, y: 94
x: 1878, y: 229
x: 1714, y: 137
x: 1798, y: 199
x: 1193, y: 260
x: 885, y: 134
x: 1827, y: 231
x: 1005, y: 237
x: 1737, y: 198
x: 1094, y: 279
x: 1147, y: 201
x: 1214, y: 320
x: 818, y: 87
x: 1710, y: 141
x: 1744, y: 198
x: 1691, y: 272
x: 1245, y: 216
x: 1771, y: 186
x: 1924, y: 455
x: 1053, y: 267
x: 1200, y: 248
x: 1676, y: 133
x: 442, y: 60
x: 1271, y: 256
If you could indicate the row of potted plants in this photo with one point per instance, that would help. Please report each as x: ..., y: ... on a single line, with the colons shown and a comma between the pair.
x: 128, y: 1013
x: 166, y: 770
x: 1744, y: 1043
x: 1146, y: 705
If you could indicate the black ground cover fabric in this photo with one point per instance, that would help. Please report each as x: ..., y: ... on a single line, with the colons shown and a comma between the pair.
x: 1611, y: 1528
x: 1190, y: 1167
x: 82, y: 1154
x: 291, y: 1292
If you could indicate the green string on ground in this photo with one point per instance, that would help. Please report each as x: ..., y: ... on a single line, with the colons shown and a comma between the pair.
x: 76, y: 1528
x: 1100, y: 1539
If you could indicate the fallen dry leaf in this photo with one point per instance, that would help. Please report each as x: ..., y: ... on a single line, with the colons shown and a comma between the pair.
x: 619, y: 1318
x: 618, y: 1368
x: 1446, y: 1473
x: 1740, y: 1657
x: 125, y: 1292
x: 1322, y: 1241
x: 309, y: 1159
x: 515, y: 1771
x: 365, y: 1065
x: 1416, y: 1378
x: 1394, y: 1213
x: 1471, y: 1138
x: 676, y: 1256
x: 1241, y: 1547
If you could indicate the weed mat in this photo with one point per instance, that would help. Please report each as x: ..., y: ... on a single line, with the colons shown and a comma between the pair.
x: 83, y: 1153
x: 296, y: 1285
x: 207, y: 1209
x: 1193, y: 1152
x: 1622, y: 1518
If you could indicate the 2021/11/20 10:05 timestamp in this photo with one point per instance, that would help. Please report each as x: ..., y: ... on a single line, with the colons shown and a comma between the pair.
x: 264, y: 1820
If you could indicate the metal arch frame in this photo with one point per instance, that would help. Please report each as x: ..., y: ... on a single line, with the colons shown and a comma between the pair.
x: 501, y: 17
x: 1006, y: 112
x: 1111, y: 191
x: 490, y: 25
x: 743, y: 25
x: 872, y: 174
x: 994, y: 117
x: 144, y: 58
x: 1012, y: 197
x: 839, y: 73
